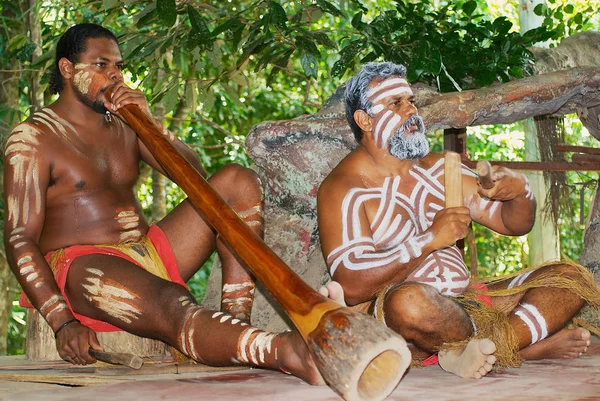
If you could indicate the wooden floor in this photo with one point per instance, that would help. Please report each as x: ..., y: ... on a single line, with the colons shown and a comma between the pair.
x: 577, y: 379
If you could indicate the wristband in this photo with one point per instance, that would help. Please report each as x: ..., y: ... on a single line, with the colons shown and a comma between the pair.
x: 65, y: 324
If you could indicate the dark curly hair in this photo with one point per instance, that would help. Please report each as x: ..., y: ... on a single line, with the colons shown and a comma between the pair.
x: 71, y: 44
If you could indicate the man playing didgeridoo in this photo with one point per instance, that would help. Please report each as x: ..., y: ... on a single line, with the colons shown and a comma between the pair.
x: 390, y: 243
x: 76, y: 237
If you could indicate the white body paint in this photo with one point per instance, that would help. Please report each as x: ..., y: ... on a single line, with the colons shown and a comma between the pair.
x: 237, y: 287
x: 534, y: 321
x: 399, y: 231
x: 254, y: 350
x: 110, y: 297
x: 129, y: 221
x: 518, y: 280
x: 54, y: 304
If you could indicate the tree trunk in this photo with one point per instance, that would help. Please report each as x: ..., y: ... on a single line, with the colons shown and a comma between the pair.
x: 36, y: 96
x: 9, y: 96
x: 159, y: 181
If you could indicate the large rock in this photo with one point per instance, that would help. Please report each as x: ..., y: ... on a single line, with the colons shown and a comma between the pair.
x: 292, y: 158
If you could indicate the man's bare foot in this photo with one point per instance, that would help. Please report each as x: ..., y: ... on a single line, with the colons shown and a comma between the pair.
x: 474, y: 361
x: 334, y: 291
x: 294, y: 357
x: 567, y: 343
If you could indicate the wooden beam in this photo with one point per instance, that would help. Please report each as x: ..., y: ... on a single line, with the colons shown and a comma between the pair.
x: 578, y: 149
x: 542, y: 166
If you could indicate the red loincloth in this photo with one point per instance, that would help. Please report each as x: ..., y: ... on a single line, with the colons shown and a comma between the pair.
x: 62, y: 264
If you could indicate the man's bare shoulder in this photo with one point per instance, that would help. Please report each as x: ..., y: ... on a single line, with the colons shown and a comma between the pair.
x: 345, y: 176
x: 430, y: 159
x: 28, y: 135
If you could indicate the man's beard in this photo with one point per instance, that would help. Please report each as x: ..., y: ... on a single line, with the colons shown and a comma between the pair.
x: 406, y: 145
x: 95, y: 104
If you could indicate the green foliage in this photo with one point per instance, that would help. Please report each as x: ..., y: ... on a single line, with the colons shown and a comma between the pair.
x: 453, y: 47
x: 567, y: 18
x: 16, y: 331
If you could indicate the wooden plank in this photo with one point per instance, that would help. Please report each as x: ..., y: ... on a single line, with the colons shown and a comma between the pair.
x: 453, y: 179
x: 578, y: 149
x: 541, y: 166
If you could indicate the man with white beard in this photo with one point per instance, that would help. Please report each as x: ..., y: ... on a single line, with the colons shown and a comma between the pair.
x: 390, y: 243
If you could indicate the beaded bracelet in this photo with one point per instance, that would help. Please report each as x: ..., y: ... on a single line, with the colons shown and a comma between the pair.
x: 65, y: 324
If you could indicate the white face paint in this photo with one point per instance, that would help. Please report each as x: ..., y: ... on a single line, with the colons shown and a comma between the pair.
x: 398, y: 231
x: 386, y: 121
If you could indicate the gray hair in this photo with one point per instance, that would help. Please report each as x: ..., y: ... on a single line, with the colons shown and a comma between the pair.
x: 358, y: 86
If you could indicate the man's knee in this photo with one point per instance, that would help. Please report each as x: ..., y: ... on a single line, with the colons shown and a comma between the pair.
x: 413, y: 305
x: 235, y: 179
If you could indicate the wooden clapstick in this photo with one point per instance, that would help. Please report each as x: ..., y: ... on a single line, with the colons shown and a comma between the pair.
x: 358, y: 357
x: 453, y: 179
x: 115, y: 358
x: 484, y: 174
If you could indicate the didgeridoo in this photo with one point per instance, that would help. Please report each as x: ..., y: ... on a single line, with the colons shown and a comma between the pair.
x: 358, y: 357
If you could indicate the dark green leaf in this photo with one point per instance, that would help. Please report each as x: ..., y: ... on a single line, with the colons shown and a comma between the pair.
x: 357, y: 20
x: 278, y: 15
x: 360, y: 5
x: 200, y: 34
x: 169, y: 99
x: 323, y: 39
x: 469, y: 7
x: 309, y: 65
x: 167, y: 11
x: 502, y: 25
x: 569, y: 9
x: 308, y: 46
x: 230, y: 25
x: 540, y: 9
x: 329, y: 8
x: 578, y: 18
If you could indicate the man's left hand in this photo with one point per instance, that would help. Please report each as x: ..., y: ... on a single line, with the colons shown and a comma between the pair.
x: 123, y: 95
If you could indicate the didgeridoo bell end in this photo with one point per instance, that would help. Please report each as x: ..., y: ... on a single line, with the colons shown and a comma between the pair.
x: 359, y: 358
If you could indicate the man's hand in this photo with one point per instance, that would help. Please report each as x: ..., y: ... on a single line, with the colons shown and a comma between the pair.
x: 123, y: 95
x: 449, y: 225
x: 73, y: 343
x: 508, y: 185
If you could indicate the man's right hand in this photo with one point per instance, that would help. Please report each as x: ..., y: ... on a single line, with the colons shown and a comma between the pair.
x: 74, y: 341
x: 450, y: 225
